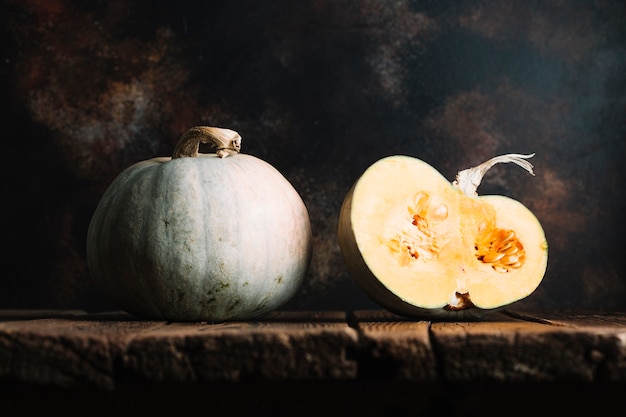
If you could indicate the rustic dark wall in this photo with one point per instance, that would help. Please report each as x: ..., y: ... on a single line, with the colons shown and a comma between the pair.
x: 320, y: 89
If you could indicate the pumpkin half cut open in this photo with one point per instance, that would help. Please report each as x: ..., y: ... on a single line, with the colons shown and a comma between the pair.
x: 419, y: 245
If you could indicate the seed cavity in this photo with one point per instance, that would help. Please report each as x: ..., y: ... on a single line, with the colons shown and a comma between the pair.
x: 417, y: 239
x: 501, y: 248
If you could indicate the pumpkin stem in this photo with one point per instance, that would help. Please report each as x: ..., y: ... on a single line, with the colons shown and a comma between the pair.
x: 469, y: 179
x: 227, y: 142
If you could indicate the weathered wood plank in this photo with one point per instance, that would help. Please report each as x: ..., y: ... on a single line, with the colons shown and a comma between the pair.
x: 65, y: 348
x: 542, y: 349
x: 286, y: 345
x: 595, y: 319
x: 109, y: 350
x: 401, y: 348
x: 394, y: 347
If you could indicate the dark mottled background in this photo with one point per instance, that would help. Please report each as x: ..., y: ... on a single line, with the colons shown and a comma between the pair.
x: 320, y: 89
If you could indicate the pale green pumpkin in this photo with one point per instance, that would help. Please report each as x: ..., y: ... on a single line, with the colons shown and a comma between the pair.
x: 210, y: 237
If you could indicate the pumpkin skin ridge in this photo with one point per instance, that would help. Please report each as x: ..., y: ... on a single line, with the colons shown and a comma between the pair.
x: 178, y: 257
x: 264, y: 301
x: 98, y: 258
x: 372, y: 282
x: 269, y: 297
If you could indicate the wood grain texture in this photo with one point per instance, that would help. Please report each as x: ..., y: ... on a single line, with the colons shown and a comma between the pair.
x: 109, y: 350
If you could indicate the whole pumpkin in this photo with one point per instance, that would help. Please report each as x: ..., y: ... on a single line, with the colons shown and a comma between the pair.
x: 200, y: 237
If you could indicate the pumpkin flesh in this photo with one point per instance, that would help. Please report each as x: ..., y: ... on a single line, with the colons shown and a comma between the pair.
x: 418, y: 245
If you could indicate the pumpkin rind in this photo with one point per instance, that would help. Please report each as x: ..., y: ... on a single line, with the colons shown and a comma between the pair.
x: 410, y: 240
x: 202, y: 238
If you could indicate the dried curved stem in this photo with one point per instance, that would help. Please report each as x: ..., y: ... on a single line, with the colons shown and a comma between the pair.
x: 469, y: 179
x: 227, y: 142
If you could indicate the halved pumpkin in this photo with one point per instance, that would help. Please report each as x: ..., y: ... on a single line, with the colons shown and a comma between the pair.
x: 419, y: 245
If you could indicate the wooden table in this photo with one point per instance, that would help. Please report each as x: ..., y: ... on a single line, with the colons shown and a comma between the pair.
x: 371, y: 362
